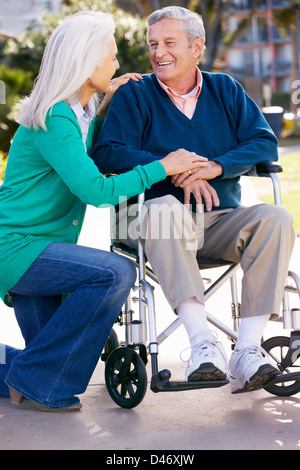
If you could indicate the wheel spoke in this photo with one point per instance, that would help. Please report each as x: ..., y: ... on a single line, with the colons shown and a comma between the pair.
x: 130, y: 389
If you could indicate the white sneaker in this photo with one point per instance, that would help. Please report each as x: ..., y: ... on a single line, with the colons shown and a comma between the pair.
x: 249, y: 370
x: 209, y: 361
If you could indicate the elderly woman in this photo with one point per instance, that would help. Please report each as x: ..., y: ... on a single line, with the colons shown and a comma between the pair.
x: 49, y: 180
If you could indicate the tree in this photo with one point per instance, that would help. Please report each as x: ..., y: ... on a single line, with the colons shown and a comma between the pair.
x: 17, y: 83
x: 286, y: 21
x: 21, y: 55
x: 212, y: 12
x: 146, y: 7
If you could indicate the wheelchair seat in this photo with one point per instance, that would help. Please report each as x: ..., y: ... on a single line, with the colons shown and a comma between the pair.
x: 132, y: 253
x: 125, y: 372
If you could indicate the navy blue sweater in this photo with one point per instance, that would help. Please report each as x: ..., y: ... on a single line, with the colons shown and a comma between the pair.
x: 143, y: 125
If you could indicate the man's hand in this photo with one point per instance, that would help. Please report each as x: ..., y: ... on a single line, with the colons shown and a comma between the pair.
x: 202, y: 191
x: 208, y: 172
x: 194, y: 182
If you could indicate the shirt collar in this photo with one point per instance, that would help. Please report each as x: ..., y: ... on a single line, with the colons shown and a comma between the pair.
x: 79, y: 111
x: 172, y: 92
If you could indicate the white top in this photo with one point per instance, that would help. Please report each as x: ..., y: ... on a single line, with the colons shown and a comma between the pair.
x: 84, y: 116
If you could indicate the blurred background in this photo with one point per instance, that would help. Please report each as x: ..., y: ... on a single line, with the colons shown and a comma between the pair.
x: 255, y: 41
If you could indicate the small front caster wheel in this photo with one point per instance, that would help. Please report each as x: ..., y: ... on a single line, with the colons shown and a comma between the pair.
x: 125, y: 377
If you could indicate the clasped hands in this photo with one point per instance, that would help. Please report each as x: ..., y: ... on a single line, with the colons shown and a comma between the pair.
x: 195, y: 182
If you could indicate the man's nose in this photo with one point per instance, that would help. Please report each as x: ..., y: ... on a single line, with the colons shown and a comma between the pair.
x: 160, y: 50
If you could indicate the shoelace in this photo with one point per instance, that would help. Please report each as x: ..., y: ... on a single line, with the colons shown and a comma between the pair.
x: 186, y: 361
x: 205, y: 343
x: 244, y: 355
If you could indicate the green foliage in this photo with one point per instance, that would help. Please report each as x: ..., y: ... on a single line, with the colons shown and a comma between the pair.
x: 21, y: 55
x: 281, y: 99
x: 285, y: 19
x: 130, y: 33
x: 3, y: 161
x: 17, y: 83
x: 132, y: 44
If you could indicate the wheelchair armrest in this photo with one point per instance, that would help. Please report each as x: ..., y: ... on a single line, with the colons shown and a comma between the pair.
x: 265, y: 169
x: 269, y: 169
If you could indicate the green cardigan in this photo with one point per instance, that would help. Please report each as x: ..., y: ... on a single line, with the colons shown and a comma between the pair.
x: 49, y: 180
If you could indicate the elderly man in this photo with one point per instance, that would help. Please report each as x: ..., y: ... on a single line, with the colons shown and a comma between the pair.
x: 178, y: 106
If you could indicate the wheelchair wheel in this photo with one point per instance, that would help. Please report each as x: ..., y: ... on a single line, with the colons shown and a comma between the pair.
x: 278, y: 347
x: 125, y: 377
x: 111, y: 344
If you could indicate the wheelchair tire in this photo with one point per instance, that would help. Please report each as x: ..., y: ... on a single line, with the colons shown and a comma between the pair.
x: 112, y: 343
x: 278, y: 347
x: 125, y: 377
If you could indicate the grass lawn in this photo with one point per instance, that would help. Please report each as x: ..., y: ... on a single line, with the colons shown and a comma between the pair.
x: 2, y: 167
x: 290, y: 186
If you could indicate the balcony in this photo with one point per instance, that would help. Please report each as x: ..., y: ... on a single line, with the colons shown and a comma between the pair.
x: 244, y: 6
x: 280, y: 69
x: 251, y: 37
x: 281, y: 3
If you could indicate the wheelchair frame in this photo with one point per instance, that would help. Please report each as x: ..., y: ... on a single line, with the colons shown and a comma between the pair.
x: 125, y: 372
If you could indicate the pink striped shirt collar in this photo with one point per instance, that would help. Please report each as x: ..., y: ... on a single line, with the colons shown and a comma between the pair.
x: 185, y: 105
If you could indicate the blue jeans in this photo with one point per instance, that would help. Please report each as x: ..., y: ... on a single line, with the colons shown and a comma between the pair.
x: 65, y: 337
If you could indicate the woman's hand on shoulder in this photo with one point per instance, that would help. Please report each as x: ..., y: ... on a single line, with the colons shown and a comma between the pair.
x: 119, y: 81
x: 115, y: 84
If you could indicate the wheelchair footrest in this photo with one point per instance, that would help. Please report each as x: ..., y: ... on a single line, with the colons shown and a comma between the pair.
x: 290, y: 377
x: 160, y: 382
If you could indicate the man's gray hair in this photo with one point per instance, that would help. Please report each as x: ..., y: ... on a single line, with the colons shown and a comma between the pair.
x: 192, y: 23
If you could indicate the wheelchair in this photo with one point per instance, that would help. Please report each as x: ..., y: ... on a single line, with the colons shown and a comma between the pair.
x: 125, y: 362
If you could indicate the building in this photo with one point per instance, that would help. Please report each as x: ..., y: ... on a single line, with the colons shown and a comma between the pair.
x: 17, y: 15
x: 262, y: 57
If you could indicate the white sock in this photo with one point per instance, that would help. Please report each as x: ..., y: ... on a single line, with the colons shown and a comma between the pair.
x: 192, y: 313
x: 252, y: 328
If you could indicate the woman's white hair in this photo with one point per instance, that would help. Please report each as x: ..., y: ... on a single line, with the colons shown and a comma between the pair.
x: 74, y: 49
x: 192, y: 23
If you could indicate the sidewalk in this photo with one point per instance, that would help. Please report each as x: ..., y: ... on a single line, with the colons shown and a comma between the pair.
x: 208, y: 419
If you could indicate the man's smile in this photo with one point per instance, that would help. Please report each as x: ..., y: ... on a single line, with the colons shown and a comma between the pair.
x: 163, y: 64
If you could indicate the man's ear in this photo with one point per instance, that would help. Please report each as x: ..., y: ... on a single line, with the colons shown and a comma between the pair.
x: 198, y: 46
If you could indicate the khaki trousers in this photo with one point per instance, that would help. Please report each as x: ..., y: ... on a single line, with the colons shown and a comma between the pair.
x: 260, y: 237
